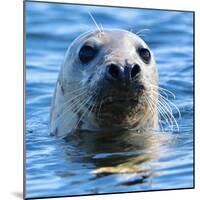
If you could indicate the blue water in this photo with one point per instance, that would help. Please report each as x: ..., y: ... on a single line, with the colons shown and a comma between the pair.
x: 55, y: 167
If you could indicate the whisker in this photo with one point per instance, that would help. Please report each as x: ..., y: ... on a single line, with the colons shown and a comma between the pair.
x: 90, y: 14
x: 141, y: 31
x: 95, y: 110
x: 73, y: 98
x: 166, y: 117
x: 86, y: 110
x: 73, y: 105
x: 170, y: 102
x: 98, y: 115
x: 74, y: 91
x: 174, y: 120
x: 75, y: 102
x: 163, y: 89
x: 102, y: 28
x: 165, y: 113
x: 74, y: 82
x: 168, y: 114
x: 163, y: 101
x: 165, y: 107
x: 85, y: 101
x: 153, y: 104
x: 93, y: 106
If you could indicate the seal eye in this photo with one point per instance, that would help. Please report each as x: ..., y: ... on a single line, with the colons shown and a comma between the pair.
x: 145, y: 55
x: 87, y: 53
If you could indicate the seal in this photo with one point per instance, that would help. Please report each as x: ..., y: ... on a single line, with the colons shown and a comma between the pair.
x: 108, y: 81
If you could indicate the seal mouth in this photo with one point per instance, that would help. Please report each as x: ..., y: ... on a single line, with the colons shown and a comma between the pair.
x: 114, y: 102
x: 123, y: 97
x: 120, y: 101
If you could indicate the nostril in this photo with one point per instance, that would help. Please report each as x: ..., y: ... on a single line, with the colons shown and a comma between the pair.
x: 135, y: 70
x: 114, y: 71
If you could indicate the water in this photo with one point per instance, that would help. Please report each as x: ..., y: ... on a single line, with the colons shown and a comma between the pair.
x: 153, y: 161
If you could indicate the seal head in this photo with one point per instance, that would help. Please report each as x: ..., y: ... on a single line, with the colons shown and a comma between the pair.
x: 108, y: 81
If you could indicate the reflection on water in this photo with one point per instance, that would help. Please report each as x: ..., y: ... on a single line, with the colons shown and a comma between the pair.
x: 121, y: 152
x: 130, y: 154
x: 91, y: 163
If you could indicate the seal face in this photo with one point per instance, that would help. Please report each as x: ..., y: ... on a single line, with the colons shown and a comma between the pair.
x: 108, y: 81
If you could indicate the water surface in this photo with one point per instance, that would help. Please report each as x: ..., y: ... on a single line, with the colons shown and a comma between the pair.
x: 154, y: 161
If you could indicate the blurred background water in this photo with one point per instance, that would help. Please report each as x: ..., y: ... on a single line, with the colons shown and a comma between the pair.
x: 57, y: 168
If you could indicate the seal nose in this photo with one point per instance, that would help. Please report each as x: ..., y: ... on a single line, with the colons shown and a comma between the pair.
x: 127, y: 73
x: 114, y: 71
x: 135, y: 70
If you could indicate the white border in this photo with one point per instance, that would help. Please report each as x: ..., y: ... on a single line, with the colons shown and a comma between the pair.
x: 11, y: 99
